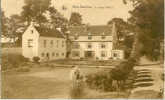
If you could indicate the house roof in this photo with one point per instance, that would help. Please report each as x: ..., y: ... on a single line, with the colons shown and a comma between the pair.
x: 96, y: 30
x: 46, y: 32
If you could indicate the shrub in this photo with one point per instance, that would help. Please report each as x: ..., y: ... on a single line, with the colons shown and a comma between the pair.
x: 10, y: 61
x: 122, y: 71
x: 162, y: 76
x: 97, y: 58
x: 36, y: 59
x: 81, y: 58
x: 110, y: 58
x: 23, y: 69
x: 100, y: 81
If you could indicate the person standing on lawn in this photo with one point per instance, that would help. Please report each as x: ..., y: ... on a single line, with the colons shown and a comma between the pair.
x: 75, y: 75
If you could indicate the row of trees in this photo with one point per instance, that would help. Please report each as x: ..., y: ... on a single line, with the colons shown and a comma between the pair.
x: 39, y: 11
x: 147, y: 20
x: 147, y: 24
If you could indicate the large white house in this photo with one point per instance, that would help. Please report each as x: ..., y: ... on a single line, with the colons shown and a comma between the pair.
x: 94, y: 42
x: 47, y: 44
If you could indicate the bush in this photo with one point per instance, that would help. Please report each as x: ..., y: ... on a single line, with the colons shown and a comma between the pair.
x: 36, y: 59
x: 162, y: 76
x: 81, y: 58
x: 10, y: 61
x: 97, y: 58
x: 122, y: 71
x: 23, y: 69
x: 100, y: 81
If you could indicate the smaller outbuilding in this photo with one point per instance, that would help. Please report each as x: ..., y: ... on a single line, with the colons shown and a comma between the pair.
x: 45, y: 43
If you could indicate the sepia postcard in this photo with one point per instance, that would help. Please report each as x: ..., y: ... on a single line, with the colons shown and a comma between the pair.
x: 82, y: 49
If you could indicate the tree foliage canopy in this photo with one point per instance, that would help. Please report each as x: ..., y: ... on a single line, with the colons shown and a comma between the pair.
x: 35, y: 10
x: 75, y: 19
x: 149, y: 17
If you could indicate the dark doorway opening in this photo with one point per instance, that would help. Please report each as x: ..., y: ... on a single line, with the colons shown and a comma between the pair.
x: 89, y: 54
x: 47, y: 55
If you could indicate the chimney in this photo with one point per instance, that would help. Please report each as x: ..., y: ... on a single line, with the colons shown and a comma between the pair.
x: 114, y: 35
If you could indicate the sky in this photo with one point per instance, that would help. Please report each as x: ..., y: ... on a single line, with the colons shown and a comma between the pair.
x: 94, y: 12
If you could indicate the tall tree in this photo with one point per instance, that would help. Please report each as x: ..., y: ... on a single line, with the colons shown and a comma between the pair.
x: 35, y: 10
x: 3, y: 23
x: 121, y: 28
x: 15, y: 27
x: 148, y: 18
x: 57, y: 20
x: 75, y: 19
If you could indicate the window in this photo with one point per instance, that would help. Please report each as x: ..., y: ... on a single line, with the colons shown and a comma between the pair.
x: 57, y: 54
x: 43, y: 54
x: 75, y: 53
x: 103, y: 53
x: 76, y: 45
x: 57, y: 43
x: 89, y: 37
x: 89, y: 45
x: 103, y: 45
x: 53, y: 54
x: 103, y: 37
x: 115, y: 55
x: 75, y: 37
x: 62, y: 54
x: 44, y: 43
x: 63, y: 42
x: 51, y: 43
x: 30, y: 43
x: 32, y: 31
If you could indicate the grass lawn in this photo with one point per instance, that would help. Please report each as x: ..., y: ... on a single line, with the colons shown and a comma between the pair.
x: 39, y: 83
x: 145, y: 94
x: 34, y: 85
x: 87, y: 62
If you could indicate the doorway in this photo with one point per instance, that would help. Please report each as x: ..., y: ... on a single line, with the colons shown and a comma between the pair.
x: 89, y: 54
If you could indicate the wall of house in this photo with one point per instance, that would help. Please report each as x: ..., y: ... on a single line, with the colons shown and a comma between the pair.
x: 117, y: 54
x: 96, y: 48
x: 54, y: 48
x: 30, y: 42
x: 94, y: 38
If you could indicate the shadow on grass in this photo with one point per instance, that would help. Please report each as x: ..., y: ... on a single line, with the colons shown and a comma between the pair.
x: 143, y: 85
x: 144, y: 80
x: 145, y: 94
x: 143, y: 72
x: 149, y: 76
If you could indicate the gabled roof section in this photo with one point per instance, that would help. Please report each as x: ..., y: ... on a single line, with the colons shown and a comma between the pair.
x: 95, y: 30
x: 47, y: 32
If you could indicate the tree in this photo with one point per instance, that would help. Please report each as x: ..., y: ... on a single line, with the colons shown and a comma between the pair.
x: 35, y: 10
x: 122, y: 38
x: 57, y: 20
x: 121, y: 30
x: 147, y: 16
x: 15, y: 28
x: 75, y: 19
x: 3, y: 23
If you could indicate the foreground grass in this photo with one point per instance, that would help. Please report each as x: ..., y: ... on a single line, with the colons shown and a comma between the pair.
x: 43, y: 82
x: 15, y: 86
